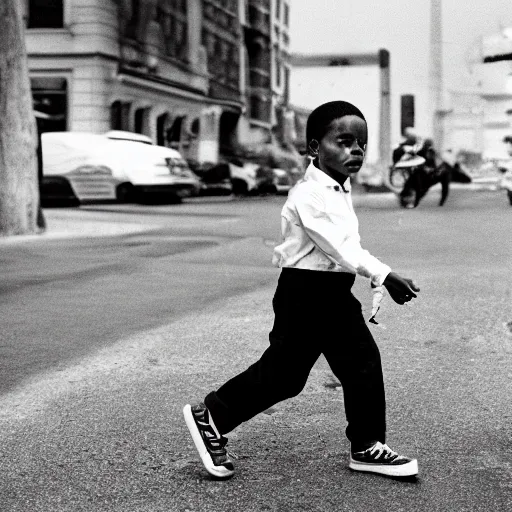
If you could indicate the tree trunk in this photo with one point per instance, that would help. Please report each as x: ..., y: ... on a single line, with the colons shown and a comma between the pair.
x: 19, y: 194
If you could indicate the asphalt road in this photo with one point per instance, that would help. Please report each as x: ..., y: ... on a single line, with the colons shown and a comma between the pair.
x: 75, y: 295
x: 104, y: 338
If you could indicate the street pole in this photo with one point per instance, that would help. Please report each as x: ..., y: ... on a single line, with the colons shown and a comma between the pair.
x: 380, y: 58
x: 436, y: 100
x: 385, y: 110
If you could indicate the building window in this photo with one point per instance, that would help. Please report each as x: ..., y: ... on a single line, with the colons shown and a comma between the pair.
x: 286, y: 15
x: 172, y: 17
x: 50, y: 101
x: 223, y: 14
x: 132, y: 28
x: 45, y: 14
x: 286, y: 85
x: 234, y: 66
x: 259, y: 19
x: 223, y: 58
x: 277, y: 66
x: 260, y: 110
x: 278, y: 9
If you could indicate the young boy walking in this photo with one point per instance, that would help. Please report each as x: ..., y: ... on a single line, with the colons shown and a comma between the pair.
x: 315, y: 311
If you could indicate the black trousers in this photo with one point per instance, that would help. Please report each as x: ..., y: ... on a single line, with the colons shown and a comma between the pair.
x: 315, y: 313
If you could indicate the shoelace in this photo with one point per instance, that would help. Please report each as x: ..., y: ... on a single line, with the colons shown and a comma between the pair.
x: 215, y: 443
x: 383, y: 449
x: 232, y: 455
x: 218, y: 445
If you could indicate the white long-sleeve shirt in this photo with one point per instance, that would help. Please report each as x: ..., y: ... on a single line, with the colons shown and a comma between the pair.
x: 320, y: 230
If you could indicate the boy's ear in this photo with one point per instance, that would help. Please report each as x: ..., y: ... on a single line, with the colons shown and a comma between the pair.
x: 313, y: 147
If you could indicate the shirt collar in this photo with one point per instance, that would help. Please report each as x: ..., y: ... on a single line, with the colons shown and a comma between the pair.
x: 314, y: 173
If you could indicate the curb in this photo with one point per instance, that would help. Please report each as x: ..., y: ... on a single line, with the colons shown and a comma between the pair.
x: 58, y: 229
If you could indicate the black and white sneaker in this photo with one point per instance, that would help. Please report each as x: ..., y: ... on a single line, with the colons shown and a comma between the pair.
x: 380, y: 458
x: 209, y: 443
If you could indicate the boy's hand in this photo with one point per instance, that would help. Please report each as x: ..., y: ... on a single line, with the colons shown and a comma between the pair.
x: 402, y: 290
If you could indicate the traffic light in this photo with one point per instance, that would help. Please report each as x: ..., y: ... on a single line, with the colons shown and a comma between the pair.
x: 407, y: 112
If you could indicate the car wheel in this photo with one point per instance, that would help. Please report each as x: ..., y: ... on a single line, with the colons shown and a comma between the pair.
x: 175, y: 199
x: 125, y: 193
x: 56, y: 191
x: 239, y: 187
x: 509, y: 192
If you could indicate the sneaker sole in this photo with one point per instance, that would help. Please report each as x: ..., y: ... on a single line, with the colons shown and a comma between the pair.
x: 409, y: 469
x: 216, y: 471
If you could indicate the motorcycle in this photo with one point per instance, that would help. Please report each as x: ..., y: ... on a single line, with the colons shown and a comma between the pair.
x: 412, y: 175
x: 407, y: 164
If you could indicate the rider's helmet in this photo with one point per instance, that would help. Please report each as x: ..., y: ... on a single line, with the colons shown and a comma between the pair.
x: 410, y: 135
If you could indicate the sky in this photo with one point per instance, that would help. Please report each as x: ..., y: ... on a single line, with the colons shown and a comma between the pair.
x: 400, y: 26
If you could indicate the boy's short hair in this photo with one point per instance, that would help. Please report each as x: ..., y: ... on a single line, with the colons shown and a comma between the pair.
x: 320, y: 119
x: 507, y: 139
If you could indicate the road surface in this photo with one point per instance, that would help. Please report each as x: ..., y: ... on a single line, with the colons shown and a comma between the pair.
x: 103, y: 339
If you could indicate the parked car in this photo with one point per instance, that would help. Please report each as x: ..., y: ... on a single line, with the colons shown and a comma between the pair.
x: 90, y: 167
x: 134, y: 137
x: 215, y: 178
x: 251, y: 178
x: 240, y: 178
x: 244, y: 177
x: 283, y: 180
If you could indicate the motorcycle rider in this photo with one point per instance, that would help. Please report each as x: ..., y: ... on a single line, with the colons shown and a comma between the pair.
x: 408, y: 144
x: 433, y: 171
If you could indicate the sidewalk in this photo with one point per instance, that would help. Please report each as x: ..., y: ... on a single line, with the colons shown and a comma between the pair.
x: 77, y: 223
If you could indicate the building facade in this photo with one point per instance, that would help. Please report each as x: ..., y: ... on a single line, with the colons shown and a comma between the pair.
x: 480, y: 118
x: 267, y: 70
x: 183, y: 72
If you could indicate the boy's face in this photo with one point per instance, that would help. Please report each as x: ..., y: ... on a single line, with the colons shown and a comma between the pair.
x: 341, y: 150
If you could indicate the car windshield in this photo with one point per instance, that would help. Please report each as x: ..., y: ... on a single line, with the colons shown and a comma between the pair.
x: 131, y: 140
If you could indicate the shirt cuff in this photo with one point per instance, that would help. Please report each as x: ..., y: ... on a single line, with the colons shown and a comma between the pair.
x: 378, y: 278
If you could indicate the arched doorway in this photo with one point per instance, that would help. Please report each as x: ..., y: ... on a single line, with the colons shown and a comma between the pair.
x: 120, y: 115
x: 141, y: 121
x: 174, y: 133
x: 162, y: 125
x: 227, y: 133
